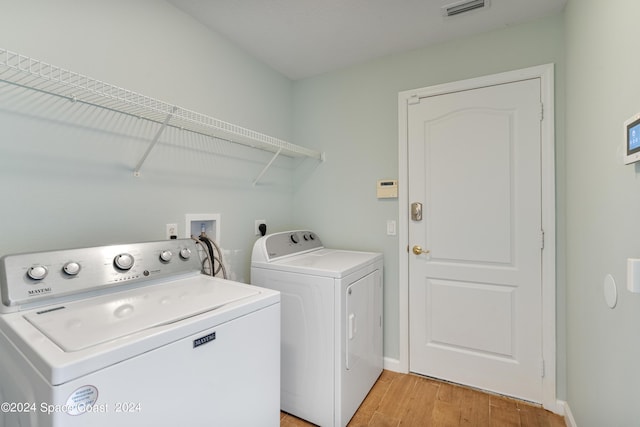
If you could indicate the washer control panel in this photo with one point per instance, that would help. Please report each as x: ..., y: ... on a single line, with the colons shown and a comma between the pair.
x: 277, y: 245
x: 41, y: 276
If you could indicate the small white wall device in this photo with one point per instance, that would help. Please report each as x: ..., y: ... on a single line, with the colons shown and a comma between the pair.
x: 387, y: 189
x: 633, y: 275
x: 632, y: 139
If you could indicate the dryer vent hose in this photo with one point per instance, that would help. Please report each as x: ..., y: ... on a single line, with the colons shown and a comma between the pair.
x: 212, y: 262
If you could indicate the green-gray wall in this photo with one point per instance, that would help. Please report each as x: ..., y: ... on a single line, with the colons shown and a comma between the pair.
x: 603, y: 208
x: 66, y: 172
x: 352, y: 115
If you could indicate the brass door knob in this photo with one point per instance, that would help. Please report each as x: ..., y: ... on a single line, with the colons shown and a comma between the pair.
x: 418, y: 250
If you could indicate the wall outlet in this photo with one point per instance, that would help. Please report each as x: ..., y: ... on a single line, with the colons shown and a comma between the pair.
x: 171, y: 231
x: 257, y: 226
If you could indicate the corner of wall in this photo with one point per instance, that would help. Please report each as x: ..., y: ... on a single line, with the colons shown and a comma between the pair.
x: 566, y: 412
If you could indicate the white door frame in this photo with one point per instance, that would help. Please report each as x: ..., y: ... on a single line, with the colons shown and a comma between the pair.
x: 546, y: 74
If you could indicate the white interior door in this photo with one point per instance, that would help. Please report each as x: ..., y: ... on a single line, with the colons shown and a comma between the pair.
x: 475, y: 298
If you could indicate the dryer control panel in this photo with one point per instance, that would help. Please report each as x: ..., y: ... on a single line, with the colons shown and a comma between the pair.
x: 32, y: 278
x: 277, y: 245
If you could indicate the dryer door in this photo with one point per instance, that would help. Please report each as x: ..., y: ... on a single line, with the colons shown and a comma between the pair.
x: 362, y: 338
x: 363, y: 321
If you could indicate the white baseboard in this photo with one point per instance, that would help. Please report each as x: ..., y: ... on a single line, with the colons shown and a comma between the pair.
x: 559, y: 408
x: 568, y: 416
x: 393, y: 365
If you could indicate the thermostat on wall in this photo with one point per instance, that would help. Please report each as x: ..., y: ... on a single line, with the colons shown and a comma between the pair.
x: 632, y: 139
x: 387, y: 188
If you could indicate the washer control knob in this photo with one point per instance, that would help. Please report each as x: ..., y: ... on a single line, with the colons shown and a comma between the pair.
x: 294, y: 238
x: 185, y: 253
x: 123, y: 261
x: 71, y: 268
x: 166, y: 256
x: 37, y: 272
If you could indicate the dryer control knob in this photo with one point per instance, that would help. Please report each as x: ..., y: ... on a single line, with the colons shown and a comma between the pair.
x: 166, y: 256
x: 185, y: 253
x: 123, y: 261
x: 37, y: 272
x: 71, y: 268
x: 294, y: 238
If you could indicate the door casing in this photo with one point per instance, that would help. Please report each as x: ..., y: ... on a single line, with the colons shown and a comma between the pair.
x: 546, y: 75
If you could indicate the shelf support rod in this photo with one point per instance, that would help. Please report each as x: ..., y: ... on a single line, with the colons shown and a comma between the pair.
x: 273, y: 159
x: 136, y: 172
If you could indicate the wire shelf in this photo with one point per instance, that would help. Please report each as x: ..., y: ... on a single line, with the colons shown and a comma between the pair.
x: 31, y: 73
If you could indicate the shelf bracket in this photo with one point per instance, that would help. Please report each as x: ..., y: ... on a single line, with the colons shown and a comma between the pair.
x: 266, y: 168
x: 136, y: 172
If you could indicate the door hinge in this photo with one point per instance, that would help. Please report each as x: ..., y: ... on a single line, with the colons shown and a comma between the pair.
x: 541, y: 239
x: 542, y: 368
x: 413, y: 99
x: 541, y: 111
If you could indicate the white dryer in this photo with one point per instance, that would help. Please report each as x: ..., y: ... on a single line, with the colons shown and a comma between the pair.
x: 134, y: 335
x: 331, y: 303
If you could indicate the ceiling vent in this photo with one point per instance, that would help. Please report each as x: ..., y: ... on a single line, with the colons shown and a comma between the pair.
x: 458, y: 8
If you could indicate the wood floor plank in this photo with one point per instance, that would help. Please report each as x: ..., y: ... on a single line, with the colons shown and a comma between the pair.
x: 409, y: 400
x: 382, y: 420
x: 503, y: 402
x: 291, y: 421
x: 395, y: 403
x: 420, y: 408
x: 474, y: 409
x: 500, y: 416
x: 533, y: 416
x: 445, y: 414
x: 388, y: 377
x: 556, y: 420
x: 450, y: 393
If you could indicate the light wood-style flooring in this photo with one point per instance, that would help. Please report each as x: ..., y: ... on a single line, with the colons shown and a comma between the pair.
x: 410, y: 400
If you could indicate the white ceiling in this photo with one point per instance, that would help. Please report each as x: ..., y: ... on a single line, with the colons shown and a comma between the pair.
x: 302, y: 38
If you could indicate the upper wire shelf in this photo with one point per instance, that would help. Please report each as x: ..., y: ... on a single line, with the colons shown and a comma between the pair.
x: 31, y: 73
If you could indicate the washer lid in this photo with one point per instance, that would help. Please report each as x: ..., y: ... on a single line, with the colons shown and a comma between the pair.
x: 87, y: 323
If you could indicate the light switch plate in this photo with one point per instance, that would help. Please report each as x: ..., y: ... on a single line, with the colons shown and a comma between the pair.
x: 391, y: 227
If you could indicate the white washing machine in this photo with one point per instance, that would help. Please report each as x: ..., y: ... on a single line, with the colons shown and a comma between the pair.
x: 134, y: 335
x: 331, y: 323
